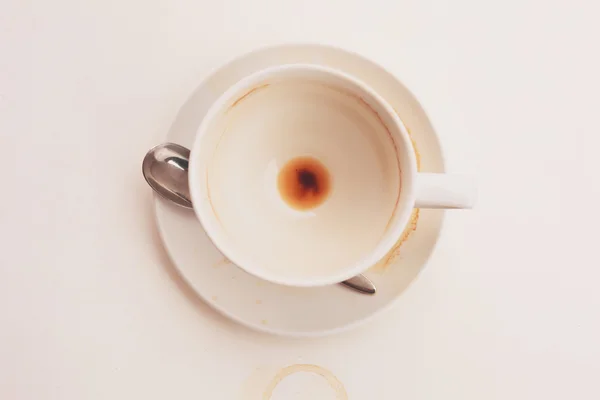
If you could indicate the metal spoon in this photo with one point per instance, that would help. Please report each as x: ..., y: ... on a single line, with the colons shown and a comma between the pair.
x: 165, y: 168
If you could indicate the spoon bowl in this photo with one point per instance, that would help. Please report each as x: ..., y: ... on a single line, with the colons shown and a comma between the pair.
x: 165, y: 168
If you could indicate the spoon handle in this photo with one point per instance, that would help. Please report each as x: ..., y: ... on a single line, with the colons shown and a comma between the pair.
x: 361, y: 284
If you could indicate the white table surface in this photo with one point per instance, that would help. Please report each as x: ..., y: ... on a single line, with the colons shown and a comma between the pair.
x: 90, y: 308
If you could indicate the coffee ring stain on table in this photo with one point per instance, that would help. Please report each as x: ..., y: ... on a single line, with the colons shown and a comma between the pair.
x: 332, y: 380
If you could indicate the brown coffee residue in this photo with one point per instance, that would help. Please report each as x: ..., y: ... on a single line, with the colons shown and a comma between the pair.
x: 410, y: 228
x: 332, y: 380
x: 304, y: 183
x: 253, y: 90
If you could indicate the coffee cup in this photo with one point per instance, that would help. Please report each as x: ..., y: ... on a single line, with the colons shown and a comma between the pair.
x: 302, y: 175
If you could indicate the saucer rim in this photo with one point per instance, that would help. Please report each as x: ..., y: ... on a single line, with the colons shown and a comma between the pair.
x: 317, y: 47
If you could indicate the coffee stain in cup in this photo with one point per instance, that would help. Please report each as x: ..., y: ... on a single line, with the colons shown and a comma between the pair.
x: 374, y: 112
x: 235, y: 103
x: 253, y: 90
x: 412, y: 224
x: 332, y: 380
x: 414, y: 217
x: 304, y: 183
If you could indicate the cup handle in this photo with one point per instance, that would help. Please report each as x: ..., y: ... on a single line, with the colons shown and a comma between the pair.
x: 444, y: 191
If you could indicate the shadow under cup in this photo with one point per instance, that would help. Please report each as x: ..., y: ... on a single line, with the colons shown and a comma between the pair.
x: 297, y: 175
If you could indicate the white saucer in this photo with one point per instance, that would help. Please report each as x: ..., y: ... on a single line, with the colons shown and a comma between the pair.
x: 278, y: 309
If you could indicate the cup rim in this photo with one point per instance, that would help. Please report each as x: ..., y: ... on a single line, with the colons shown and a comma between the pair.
x: 387, y: 241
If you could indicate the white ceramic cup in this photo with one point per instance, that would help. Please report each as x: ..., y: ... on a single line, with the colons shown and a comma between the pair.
x: 301, y: 110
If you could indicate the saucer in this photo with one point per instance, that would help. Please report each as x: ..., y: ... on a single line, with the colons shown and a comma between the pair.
x: 283, y: 310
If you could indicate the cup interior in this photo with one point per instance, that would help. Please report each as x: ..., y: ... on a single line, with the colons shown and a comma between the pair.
x: 301, y: 175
